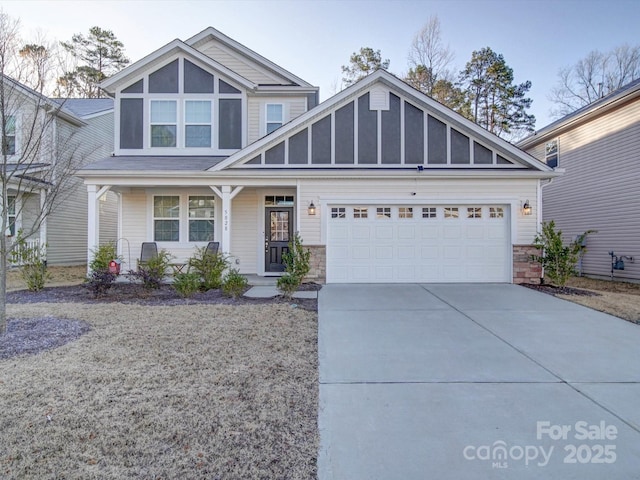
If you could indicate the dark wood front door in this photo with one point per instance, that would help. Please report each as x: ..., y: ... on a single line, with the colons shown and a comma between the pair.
x: 278, y: 230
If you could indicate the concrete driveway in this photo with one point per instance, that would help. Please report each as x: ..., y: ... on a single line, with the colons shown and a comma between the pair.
x: 474, y: 381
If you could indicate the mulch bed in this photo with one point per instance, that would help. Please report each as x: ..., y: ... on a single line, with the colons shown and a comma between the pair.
x: 128, y: 293
x: 553, y: 290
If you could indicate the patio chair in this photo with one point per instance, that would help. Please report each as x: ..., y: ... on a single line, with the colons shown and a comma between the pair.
x: 149, y: 250
x: 213, y: 247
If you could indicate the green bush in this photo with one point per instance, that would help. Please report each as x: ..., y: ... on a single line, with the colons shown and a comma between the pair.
x: 152, y: 272
x: 297, y: 266
x: 209, y: 267
x: 234, y: 284
x: 558, y: 260
x: 102, y: 256
x: 186, y: 284
x: 32, y: 261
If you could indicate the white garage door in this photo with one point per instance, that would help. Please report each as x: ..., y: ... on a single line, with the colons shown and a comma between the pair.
x: 418, y: 243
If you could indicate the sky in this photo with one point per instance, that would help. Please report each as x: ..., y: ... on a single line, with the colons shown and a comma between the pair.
x: 314, y: 38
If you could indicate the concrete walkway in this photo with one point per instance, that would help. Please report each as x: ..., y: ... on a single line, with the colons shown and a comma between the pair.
x: 474, y: 382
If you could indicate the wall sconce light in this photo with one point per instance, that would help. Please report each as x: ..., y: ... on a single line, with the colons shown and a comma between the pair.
x: 526, y: 208
x: 311, y: 210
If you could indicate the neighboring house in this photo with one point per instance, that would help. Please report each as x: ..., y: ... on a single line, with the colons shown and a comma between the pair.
x: 214, y: 142
x: 81, y: 129
x: 598, y: 148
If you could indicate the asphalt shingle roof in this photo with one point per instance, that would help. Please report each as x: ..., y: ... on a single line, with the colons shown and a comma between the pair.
x: 155, y: 164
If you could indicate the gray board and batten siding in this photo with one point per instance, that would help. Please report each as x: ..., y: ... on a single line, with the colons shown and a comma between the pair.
x: 400, y: 134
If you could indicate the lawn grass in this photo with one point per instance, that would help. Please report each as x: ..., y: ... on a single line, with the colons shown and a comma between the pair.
x: 189, y: 392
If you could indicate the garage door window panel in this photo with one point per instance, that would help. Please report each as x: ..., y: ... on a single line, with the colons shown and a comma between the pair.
x: 360, y: 212
x: 405, y: 212
x: 451, y: 212
x: 474, y: 212
x: 338, y: 212
x: 383, y: 212
x: 429, y: 212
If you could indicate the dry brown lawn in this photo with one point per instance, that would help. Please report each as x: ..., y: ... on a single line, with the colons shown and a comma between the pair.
x: 188, y: 392
x: 621, y: 299
x: 60, y: 276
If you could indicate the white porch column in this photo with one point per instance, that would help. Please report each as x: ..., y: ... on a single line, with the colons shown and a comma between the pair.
x: 43, y: 223
x: 93, y: 218
x: 226, y: 194
x: 93, y: 224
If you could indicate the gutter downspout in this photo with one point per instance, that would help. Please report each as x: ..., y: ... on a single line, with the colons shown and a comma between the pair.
x: 541, y: 184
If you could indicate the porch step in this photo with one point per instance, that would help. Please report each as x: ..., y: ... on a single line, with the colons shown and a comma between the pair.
x: 255, y: 280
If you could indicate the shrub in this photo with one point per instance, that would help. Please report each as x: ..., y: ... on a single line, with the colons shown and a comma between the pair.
x: 152, y: 273
x: 209, y: 267
x: 99, y: 282
x: 186, y: 284
x: 297, y: 266
x: 558, y: 260
x: 234, y: 283
x: 32, y: 261
x: 100, y: 279
x: 102, y: 256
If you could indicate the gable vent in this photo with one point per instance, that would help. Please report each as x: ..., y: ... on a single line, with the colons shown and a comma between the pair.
x: 379, y: 99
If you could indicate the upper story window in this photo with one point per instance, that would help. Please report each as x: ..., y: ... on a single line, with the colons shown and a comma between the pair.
x: 551, y: 153
x: 9, y: 143
x: 181, y: 106
x: 197, y: 119
x: 275, y: 116
x: 164, y: 123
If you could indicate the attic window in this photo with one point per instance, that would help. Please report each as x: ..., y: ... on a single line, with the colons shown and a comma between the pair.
x: 551, y: 153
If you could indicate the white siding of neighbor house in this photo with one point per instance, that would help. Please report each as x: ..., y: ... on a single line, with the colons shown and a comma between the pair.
x: 600, y: 189
x: 293, y: 106
x: 67, y: 224
x: 240, y: 64
x: 485, y: 191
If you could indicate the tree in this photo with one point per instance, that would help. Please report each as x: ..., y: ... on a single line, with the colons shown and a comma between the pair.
x: 593, y: 77
x: 496, y: 103
x: 99, y: 55
x: 362, y: 64
x: 37, y: 161
x: 429, y: 58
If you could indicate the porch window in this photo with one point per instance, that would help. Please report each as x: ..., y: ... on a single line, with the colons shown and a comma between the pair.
x: 11, y: 217
x: 166, y: 218
x: 9, y: 143
x: 275, y: 116
x: 201, y: 215
x: 163, y: 123
x: 197, y: 123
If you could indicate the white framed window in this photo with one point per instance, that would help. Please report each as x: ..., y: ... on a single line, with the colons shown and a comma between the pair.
x: 9, y: 141
x: 11, y: 216
x: 451, y: 212
x: 338, y: 212
x: 474, y: 212
x: 164, y: 123
x: 429, y: 212
x: 166, y: 218
x: 496, y: 212
x: 360, y: 212
x: 274, y: 116
x: 278, y: 201
x: 197, y: 124
x: 405, y: 212
x: 383, y: 212
x: 201, y: 218
x: 551, y: 153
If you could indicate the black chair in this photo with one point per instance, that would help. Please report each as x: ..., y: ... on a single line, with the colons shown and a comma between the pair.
x: 212, y: 248
x: 149, y: 251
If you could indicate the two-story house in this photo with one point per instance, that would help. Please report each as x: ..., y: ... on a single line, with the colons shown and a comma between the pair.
x: 597, y: 148
x: 215, y: 142
x: 46, y: 141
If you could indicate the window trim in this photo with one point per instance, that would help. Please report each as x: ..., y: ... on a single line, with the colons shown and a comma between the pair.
x: 183, y: 217
x: 175, y: 124
x: 266, y: 116
x: 556, y: 153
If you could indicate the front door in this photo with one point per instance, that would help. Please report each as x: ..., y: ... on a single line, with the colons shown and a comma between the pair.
x: 278, y: 230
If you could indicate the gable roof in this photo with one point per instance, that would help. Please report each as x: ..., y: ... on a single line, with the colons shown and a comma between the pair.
x: 606, y: 103
x: 211, y: 32
x: 48, y: 104
x: 86, y: 107
x: 125, y: 76
x: 386, y: 78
